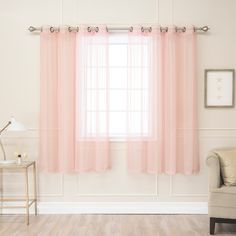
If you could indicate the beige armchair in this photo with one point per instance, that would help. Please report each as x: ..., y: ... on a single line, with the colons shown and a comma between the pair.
x: 222, y: 199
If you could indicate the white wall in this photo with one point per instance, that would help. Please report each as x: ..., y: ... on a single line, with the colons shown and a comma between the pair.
x: 19, y: 92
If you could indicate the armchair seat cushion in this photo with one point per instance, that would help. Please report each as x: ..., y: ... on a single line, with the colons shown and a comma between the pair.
x: 224, y: 196
x: 222, y: 202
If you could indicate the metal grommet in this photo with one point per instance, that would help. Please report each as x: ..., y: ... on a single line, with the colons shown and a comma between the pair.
x: 131, y: 29
x: 163, y: 29
x: 51, y: 29
x: 70, y: 29
x: 89, y: 29
x: 149, y: 29
x: 77, y: 29
x: 96, y: 29
x: 184, y: 29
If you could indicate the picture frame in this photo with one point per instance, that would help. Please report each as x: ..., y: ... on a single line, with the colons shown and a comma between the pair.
x: 219, y: 88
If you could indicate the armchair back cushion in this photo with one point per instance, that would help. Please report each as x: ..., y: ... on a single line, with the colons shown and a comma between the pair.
x: 228, y: 165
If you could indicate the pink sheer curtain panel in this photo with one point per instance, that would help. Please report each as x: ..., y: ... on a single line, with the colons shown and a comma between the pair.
x: 57, y: 100
x: 92, y: 100
x: 74, y: 100
x: 167, y: 141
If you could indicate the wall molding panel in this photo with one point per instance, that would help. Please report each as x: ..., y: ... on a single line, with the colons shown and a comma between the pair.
x: 59, y: 194
x: 173, y: 194
x: 79, y: 194
x: 205, y: 134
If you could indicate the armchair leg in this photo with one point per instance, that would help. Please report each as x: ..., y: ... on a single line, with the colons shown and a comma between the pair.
x: 212, y: 226
x: 219, y: 220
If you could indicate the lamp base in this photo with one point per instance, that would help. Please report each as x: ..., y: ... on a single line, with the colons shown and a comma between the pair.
x: 7, y: 162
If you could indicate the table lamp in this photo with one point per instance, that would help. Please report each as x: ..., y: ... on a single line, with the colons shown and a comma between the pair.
x: 11, y: 125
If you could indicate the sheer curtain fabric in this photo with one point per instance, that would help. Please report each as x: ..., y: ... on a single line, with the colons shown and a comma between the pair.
x: 161, y: 101
x: 64, y: 99
x: 57, y: 103
x: 168, y: 143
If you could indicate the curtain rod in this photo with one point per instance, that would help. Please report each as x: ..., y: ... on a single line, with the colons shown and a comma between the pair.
x: 162, y: 29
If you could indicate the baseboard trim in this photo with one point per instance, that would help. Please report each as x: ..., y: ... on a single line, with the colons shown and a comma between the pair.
x: 116, y: 208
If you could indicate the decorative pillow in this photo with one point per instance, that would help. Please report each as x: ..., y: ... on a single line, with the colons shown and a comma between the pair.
x: 228, y: 165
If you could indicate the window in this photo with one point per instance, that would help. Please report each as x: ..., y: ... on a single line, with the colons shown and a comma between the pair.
x: 114, y: 100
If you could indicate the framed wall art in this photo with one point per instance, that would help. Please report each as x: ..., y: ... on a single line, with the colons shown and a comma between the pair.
x: 219, y: 88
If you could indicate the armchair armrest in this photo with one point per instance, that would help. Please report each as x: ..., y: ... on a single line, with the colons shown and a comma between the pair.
x: 213, y: 163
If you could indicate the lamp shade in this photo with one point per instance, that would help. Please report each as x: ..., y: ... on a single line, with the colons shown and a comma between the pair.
x: 15, y: 125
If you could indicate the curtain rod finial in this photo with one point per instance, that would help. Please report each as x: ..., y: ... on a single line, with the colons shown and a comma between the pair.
x: 205, y: 28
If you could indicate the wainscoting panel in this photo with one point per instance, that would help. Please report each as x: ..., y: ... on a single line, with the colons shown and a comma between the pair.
x: 51, y: 185
x: 117, y: 181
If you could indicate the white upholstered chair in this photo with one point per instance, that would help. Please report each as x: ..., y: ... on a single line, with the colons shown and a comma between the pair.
x: 222, y: 198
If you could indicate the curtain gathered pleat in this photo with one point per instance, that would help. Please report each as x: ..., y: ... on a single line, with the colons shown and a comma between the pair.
x: 92, y: 101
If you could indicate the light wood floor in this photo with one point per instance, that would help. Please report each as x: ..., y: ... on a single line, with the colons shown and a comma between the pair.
x: 110, y: 225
